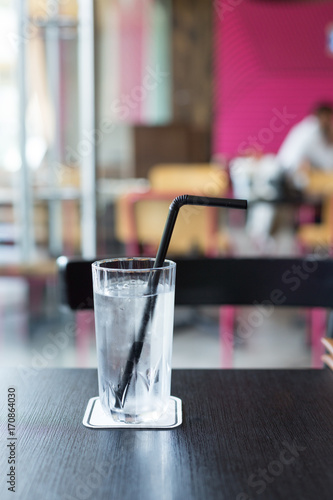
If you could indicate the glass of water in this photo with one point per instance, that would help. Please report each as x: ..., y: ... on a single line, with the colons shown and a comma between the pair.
x: 134, y: 311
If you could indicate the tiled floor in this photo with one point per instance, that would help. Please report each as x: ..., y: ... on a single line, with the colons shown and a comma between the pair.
x: 281, y: 341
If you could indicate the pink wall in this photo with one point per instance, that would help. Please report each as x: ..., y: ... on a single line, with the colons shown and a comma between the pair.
x: 272, y: 64
x: 131, y: 48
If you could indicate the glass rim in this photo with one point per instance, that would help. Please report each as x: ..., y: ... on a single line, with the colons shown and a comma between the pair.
x: 98, y: 264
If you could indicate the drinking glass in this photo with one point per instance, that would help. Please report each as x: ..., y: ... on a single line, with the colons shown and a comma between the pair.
x: 134, y: 312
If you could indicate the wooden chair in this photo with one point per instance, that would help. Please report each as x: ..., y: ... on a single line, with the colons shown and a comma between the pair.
x: 141, y: 216
x: 310, y: 236
x: 229, y: 282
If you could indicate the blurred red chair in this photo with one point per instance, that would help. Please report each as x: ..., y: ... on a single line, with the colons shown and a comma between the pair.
x: 140, y: 217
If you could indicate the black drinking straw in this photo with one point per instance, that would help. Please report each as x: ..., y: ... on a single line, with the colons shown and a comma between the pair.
x: 136, y: 349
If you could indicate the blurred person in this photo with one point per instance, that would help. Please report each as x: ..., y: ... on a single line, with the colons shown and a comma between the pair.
x: 262, y: 213
x: 309, y: 144
x: 255, y: 178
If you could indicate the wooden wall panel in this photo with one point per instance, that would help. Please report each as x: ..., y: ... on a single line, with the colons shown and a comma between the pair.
x: 192, y: 61
x: 175, y: 143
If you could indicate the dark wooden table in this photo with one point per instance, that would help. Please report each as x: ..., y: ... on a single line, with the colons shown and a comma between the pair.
x: 246, y: 434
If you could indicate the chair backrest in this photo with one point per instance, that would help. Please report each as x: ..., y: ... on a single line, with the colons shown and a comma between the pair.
x: 320, y: 183
x: 205, y: 179
x: 287, y: 282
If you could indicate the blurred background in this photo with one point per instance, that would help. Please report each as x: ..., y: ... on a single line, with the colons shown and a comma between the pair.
x: 111, y: 108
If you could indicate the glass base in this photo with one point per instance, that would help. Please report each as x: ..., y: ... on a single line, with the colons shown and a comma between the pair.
x: 128, y: 418
x: 95, y: 417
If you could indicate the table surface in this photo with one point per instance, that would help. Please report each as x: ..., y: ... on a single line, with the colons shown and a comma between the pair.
x: 246, y: 434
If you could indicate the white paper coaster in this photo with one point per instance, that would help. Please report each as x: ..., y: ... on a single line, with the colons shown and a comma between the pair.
x: 95, y: 418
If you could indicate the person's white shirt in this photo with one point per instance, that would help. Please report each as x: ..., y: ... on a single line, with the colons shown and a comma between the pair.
x: 318, y: 152
x: 305, y: 142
